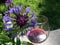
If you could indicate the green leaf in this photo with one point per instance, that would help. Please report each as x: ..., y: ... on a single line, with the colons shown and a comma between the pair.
x: 18, y: 41
x: 4, y: 38
x: 3, y: 8
x: 1, y: 24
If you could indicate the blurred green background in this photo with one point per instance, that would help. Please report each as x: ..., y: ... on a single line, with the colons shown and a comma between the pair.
x: 49, y: 8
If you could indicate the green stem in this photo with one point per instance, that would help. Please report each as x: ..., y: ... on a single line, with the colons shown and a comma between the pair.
x: 18, y: 41
x: 13, y: 42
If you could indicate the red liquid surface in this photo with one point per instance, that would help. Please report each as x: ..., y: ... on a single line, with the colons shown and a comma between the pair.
x: 35, y: 35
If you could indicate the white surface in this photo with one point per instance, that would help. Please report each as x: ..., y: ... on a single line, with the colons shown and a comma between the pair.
x: 53, y: 39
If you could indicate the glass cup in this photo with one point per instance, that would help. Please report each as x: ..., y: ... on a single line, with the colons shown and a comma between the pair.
x: 40, y: 33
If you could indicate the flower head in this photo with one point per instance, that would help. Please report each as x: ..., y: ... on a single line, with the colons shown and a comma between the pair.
x: 21, y: 20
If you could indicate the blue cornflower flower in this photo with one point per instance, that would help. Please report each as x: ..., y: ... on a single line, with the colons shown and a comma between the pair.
x: 22, y: 20
x: 8, y: 3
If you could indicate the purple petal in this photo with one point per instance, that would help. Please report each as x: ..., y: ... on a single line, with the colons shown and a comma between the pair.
x: 27, y: 10
x: 11, y: 10
x: 28, y: 33
x: 6, y: 18
x: 33, y: 24
x: 16, y: 10
x: 20, y: 8
x: 33, y: 16
x: 8, y: 2
x: 8, y: 30
x: 7, y: 24
x: 22, y: 34
x: 7, y: 13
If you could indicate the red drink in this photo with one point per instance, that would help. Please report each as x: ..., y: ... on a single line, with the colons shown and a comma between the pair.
x: 37, y: 35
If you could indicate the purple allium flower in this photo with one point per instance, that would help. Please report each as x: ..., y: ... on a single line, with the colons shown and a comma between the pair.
x: 27, y: 10
x: 8, y: 2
